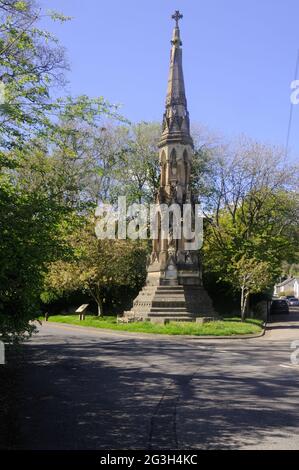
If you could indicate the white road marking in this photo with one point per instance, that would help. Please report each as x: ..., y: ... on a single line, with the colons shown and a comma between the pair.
x: 226, y: 351
x: 287, y: 366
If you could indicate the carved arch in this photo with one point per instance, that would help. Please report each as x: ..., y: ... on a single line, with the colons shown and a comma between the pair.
x: 163, y: 169
x: 173, y: 163
x: 186, y: 166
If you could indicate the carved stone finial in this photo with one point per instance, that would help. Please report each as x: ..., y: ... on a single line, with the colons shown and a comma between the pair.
x: 177, y: 16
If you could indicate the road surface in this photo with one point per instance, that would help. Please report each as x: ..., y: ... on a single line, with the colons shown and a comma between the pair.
x: 92, y: 389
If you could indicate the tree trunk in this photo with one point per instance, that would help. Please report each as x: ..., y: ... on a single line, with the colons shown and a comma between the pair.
x: 244, y: 300
x: 100, y: 307
x: 96, y: 295
x: 242, y: 303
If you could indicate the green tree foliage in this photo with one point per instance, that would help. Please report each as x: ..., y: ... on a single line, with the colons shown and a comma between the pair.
x: 31, y: 62
x: 41, y: 172
x: 133, y: 168
x: 28, y: 65
x: 249, y: 276
x: 30, y: 224
x: 136, y: 173
x: 290, y: 269
x: 252, y: 217
x: 96, y: 265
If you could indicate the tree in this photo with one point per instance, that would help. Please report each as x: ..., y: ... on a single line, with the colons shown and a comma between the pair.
x: 206, y: 146
x: 290, y: 269
x: 252, y: 213
x: 134, y: 169
x: 38, y: 197
x: 97, y: 265
x: 31, y: 63
x: 39, y: 202
x: 250, y: 276
x: 136, y: 173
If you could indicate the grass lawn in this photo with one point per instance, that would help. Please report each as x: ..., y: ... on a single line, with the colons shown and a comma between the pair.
x: 225, y: 327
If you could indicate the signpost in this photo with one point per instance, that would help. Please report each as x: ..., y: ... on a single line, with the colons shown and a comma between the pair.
x: 81, y: 310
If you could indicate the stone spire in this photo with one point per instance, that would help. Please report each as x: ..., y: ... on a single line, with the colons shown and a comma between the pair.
x: 173, y: 289
x: 176, y: 124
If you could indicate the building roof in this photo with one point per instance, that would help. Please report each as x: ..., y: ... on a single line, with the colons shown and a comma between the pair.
x: 288, y: 281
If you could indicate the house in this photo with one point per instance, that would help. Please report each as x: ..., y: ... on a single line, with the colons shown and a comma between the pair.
x: 289, y: 286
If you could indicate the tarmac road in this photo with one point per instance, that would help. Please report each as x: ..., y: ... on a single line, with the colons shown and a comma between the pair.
x: 82, y: 388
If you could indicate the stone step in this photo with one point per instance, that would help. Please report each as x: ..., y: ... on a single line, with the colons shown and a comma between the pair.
x: 169, y: 309
x: 168, y: 304
x: 172, y: 298
x: 172, y: 303
x: 178, y: 317
x: 170, y: 288
x: 170, y: 316
x: 170, y: 293
x: 169, y: 297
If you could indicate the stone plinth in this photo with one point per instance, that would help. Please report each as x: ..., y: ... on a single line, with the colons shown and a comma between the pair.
x: 170, y: 303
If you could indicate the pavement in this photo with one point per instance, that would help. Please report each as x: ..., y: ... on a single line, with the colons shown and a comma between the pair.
x: 82, y: 388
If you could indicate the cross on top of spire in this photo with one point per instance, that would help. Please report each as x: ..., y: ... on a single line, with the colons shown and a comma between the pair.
x: 177, y: 16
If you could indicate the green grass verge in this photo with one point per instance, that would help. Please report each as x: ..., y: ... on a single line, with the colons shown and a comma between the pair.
x: 225, y: 327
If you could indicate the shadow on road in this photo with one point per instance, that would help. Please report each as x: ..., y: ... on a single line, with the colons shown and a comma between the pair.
x: 90, y: 393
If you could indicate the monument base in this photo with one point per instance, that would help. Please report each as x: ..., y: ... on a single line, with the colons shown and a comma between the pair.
x: 164, y: 303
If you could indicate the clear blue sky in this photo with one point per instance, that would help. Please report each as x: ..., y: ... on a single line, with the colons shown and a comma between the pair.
x: 239, y: 59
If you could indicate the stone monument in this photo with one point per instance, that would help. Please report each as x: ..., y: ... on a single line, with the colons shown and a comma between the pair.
x: 173, y: 289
